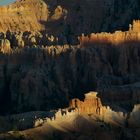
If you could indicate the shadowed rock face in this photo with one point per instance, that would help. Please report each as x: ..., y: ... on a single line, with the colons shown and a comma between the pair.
x: 40, y: 71
x: 69, y: 17
x: 39, y: 77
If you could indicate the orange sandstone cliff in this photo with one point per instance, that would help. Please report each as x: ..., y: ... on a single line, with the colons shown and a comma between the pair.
x: 68, y: 17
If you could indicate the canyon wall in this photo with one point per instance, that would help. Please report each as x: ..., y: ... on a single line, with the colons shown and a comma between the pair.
x: 38, y: 75
x: 69, y: 17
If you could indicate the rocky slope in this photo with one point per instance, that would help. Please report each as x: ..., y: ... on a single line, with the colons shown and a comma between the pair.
x: 87, y: 119
x: 23, y: 15
x: 69, y: 17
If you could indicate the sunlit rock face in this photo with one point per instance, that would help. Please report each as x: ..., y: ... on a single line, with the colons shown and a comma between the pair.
x: 92, y: 105
x: 23, y: 15
x: 79, y: 119
x: 5, y: 45
x: 68, y: 17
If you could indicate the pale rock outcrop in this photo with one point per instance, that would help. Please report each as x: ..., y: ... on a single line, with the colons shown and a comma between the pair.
x: 5, y: 46
x: 38, y: 122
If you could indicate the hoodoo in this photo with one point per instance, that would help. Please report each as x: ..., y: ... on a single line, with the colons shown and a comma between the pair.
x: 70, y: 70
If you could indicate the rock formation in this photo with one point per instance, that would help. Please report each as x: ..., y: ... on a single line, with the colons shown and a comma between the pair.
x: 68, y: 17
x: 51, y: 55
x: 41, y: 72
x: 5, y: 46
x: 81, y: 117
